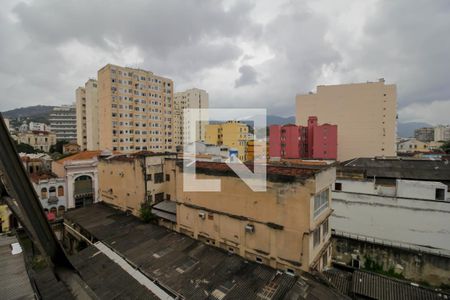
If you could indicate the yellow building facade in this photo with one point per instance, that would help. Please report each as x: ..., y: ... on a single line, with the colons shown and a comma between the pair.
x: 286, y: 227
x: 135, y: 110
x: 232, y: 134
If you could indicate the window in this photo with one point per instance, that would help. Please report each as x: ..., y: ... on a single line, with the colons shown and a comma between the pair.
x: 338, y: 186
x: 159, y: 177
x: 44, y: 193
x: 316, y: 237
x: 325, y: 229
x: 167, y: 177
x: 325, y: 259
x: 440, y: 194
x: 159, y: 197
x: 60, y: 191
x: 52, y: 191
x: 321, y: 202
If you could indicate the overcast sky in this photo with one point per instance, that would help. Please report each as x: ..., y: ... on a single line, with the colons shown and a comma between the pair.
x: 253, y: 54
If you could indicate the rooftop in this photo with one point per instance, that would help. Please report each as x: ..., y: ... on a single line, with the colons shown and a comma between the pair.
x: 35, y: 177
x: 179, y: 264
x: 85, y: 155
x: 368, y: 285
x: 399, y: 167
x: 15, y: 283
x: 275, y: 171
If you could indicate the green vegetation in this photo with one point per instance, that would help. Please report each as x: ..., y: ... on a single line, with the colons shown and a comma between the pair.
x: 58, y: 147
x: 25, y: 148
x: 446, y: 147
x: 373, y: 266
x: 146, y: 214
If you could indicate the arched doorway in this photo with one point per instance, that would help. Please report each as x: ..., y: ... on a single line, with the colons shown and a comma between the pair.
x: 83, y: 191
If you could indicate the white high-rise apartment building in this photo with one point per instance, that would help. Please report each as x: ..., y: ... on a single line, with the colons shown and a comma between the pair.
x: 87, y: 116
x: 135, y: 110
x: 63, y: 122
x: 35, y: 126
x: 191, y: 98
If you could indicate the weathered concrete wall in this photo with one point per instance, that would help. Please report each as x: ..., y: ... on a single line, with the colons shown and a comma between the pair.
x: 417, y: 222
x: 413, y: 265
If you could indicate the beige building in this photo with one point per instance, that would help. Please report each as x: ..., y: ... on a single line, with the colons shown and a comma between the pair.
x: 285, y: 227
x: 412, y: 145
x: 40, y: 140
x: 125, y: 183
x: 189, y: 99
x: 365, y: 113
x: 135, y: 110
x: 87, y: 116
x: 232, y: 134
x: 442, y: 133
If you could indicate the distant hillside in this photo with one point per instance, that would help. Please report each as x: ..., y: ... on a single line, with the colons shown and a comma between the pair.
x: 276, y: 120
x: 38, y: 113
x: 271, y: 120
x: 406, y: 130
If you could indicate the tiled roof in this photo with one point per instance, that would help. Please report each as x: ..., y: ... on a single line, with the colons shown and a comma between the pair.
x: 35, y: 177
x: 85, y: 155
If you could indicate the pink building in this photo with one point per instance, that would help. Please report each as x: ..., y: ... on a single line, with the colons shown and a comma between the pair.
x: 312, y: 141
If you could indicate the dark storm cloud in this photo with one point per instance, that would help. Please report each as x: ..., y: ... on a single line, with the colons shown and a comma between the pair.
x: 248, y: 76
x: 49, y: 47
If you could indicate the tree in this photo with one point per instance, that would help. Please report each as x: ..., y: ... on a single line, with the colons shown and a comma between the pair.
x: 58, y: 147
x: 25, y: 148
x: 146, y: 214
x: 446, y: 147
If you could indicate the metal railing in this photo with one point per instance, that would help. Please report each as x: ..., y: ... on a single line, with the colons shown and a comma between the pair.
x: 391, y: 243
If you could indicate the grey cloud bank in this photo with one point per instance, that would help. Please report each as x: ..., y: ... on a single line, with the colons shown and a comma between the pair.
x: 245, y: 53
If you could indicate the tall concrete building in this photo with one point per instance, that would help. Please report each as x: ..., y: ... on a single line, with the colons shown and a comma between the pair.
x: 442, y: 133
x: 135, y: 110
x: 424, y: 134
x: 87, y: 116
x: 365, y: 113
x: 63, y: 122
x: 193, y: 99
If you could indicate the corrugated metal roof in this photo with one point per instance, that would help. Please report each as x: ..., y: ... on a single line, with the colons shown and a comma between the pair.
x: 14, y: 280
x: 181, y: 264
x: 419, y: 169
x: 362, y: 284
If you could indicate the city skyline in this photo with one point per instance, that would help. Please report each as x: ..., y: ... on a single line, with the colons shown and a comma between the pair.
x: 245, y: 54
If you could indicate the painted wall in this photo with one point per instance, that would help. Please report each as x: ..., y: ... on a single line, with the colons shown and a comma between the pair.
x: 312, y: 141
x: 121, y: 183
x: 365, y: 114
x: 416, y: 222
x: 415, y: 266
x: 221, y: 217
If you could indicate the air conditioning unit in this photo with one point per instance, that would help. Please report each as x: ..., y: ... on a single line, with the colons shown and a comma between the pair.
x: 249, y: 228
x: 202, y: 215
